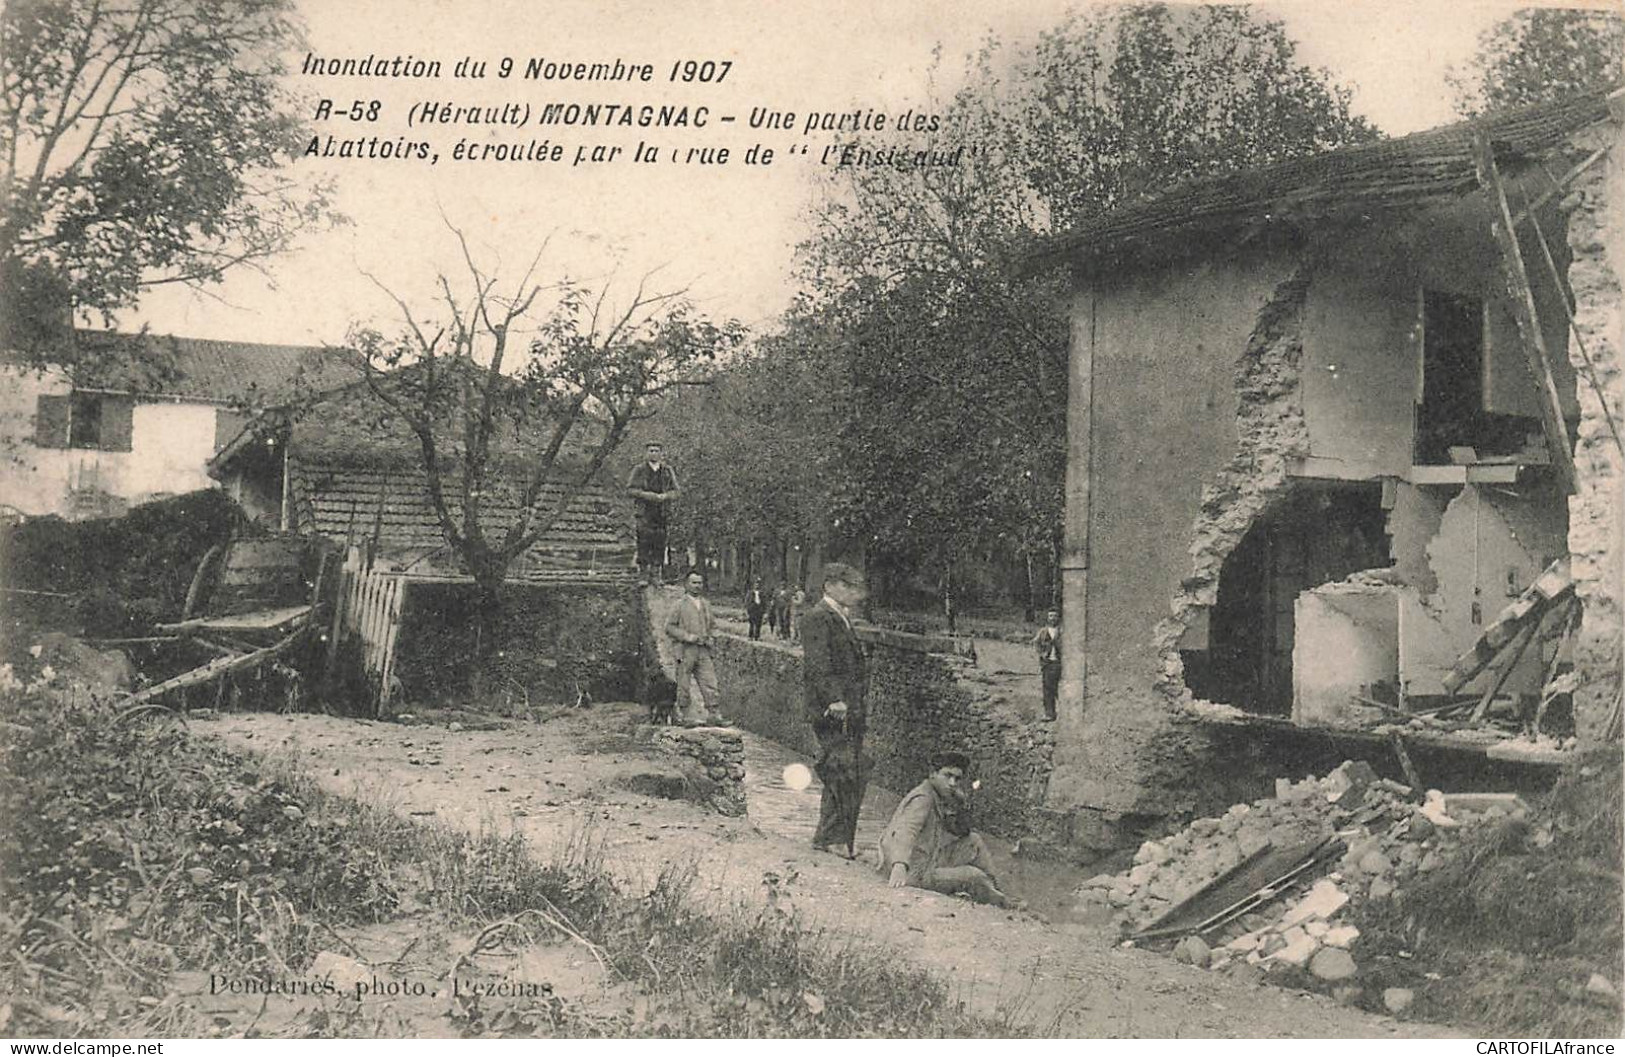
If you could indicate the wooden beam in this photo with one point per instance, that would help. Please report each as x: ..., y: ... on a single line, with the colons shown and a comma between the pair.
x: 1558, y: 186
x: 1523, y: 311
x: 218, y: 668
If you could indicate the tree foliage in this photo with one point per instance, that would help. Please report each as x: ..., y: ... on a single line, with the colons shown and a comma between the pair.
x: 756, y: 449
x: 1540, y: 54
x: 146, y: 142
x: 957, y: 355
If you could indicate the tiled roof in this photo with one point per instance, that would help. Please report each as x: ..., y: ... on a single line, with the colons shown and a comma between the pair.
x: 1367, y: 178
x: 239, y: 372
x: 347, y: 502
x: 341, y: 500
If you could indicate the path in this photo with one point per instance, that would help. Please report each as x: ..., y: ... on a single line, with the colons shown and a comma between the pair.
x: 550, y: 782
x: 1009, y: 668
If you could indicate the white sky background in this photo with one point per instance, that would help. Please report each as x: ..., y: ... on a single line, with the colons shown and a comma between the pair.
x: 726, y: 233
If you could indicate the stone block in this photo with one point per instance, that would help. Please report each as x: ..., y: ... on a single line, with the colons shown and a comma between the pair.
x: 1376, y: 864
x: 1332, y: 964
x: 1151, y: 852
x: 1398, y: 999
x: 1299, y: 948
x: 1341, y: 936
x: 1323, y: 900
x: 1193, y: 950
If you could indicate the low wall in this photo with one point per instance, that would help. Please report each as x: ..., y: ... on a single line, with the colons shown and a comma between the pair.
x: 556, y: 639
x: 918, y: 705
x: 713, y: 756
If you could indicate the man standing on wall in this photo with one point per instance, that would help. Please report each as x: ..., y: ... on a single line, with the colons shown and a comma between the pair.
x: 653, y: 488
x: 1048, y: 644
x: 690, y: 628
x: 835, y: 684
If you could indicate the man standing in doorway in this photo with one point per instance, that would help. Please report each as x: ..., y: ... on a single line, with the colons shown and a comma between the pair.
x: 1048, y: 644
x: 653, y: 488
x: 835, y: 684
x: 690, y: 628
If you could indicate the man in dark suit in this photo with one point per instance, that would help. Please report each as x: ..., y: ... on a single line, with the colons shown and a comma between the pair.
x: 835, y: 683
x: 756, y: 601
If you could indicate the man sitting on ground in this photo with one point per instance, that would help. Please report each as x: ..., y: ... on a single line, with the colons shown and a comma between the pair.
x: 929, y: 843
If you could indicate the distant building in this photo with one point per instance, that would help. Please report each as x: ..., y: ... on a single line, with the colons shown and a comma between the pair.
x: 121, y: 419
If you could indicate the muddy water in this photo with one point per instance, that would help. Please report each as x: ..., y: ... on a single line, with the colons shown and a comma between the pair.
x: 792, y: 813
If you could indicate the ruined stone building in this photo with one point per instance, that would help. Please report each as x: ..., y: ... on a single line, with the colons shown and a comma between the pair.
x: 1314, y: 449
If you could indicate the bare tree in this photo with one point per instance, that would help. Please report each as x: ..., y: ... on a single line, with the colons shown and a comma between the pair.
x: 502, y: 395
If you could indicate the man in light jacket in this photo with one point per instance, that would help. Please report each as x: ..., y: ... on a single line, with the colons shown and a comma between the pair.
x: 929, y: 843
x: 690, y: 628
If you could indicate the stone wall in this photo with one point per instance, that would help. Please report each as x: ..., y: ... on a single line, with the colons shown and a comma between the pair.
x: 713, y: 758
x: 557, y: 641
x: 1596, y: 240
x: 919, y: 704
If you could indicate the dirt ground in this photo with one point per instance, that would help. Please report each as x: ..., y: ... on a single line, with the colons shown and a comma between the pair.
x: 555, y: 781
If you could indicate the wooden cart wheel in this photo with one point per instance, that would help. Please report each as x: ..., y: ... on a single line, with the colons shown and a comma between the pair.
x: 194, y: 593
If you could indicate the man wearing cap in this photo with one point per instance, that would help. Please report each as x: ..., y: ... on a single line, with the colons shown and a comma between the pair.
x: 653, y: 487
x: 929, y: 843
x: 834, y: 683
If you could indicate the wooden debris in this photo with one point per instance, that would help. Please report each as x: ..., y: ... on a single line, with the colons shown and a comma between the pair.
x: 1406, y: 767
x: 219, y: 668
x: 1528, y: 608
x: 1528, y: 320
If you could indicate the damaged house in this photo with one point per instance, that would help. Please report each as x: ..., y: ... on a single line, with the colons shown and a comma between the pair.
x: 342, y: 468
x: 1327, y: 420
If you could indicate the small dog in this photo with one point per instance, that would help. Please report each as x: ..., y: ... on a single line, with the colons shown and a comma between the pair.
x: 660, y: 695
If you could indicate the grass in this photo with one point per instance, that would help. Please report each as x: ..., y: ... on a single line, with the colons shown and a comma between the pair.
x: 140, y: 852
x: 1514, y: 924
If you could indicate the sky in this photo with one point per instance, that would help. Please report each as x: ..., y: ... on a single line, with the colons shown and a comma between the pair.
x: 725, y: 233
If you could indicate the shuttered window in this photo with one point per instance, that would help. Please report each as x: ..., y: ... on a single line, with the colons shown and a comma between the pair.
x: 118, y: 423
x: 85, y: 421
x: 51, y: 422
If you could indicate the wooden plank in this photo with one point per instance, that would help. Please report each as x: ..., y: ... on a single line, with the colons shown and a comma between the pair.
x: 253, y: 553
x: 218, y: 668
x: 1437, y: 475
x: 259, y: 620
x: 1524, y: 313
x: 1530, y: 606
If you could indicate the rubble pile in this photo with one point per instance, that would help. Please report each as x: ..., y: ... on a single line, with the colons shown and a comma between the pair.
x: 713, y: 758
x: 1388, y: 834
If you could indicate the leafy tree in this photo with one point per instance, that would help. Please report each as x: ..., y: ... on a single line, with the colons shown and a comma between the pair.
x: 957, y: 354
x: 496, y: 413
x: 145, y: 143
x: 1541, y: 54
x: 756, y: 449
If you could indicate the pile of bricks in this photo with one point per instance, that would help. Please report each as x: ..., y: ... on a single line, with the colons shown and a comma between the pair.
x: 1389, y: 838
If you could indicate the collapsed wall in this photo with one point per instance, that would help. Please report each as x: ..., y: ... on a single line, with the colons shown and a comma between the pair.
x: 1271, y: 431
x: 1596, y: 241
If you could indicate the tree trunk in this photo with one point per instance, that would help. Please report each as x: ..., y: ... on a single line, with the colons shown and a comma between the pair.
x: 487, y: 630
x: 948, y: 595
x: 1030, y: 611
